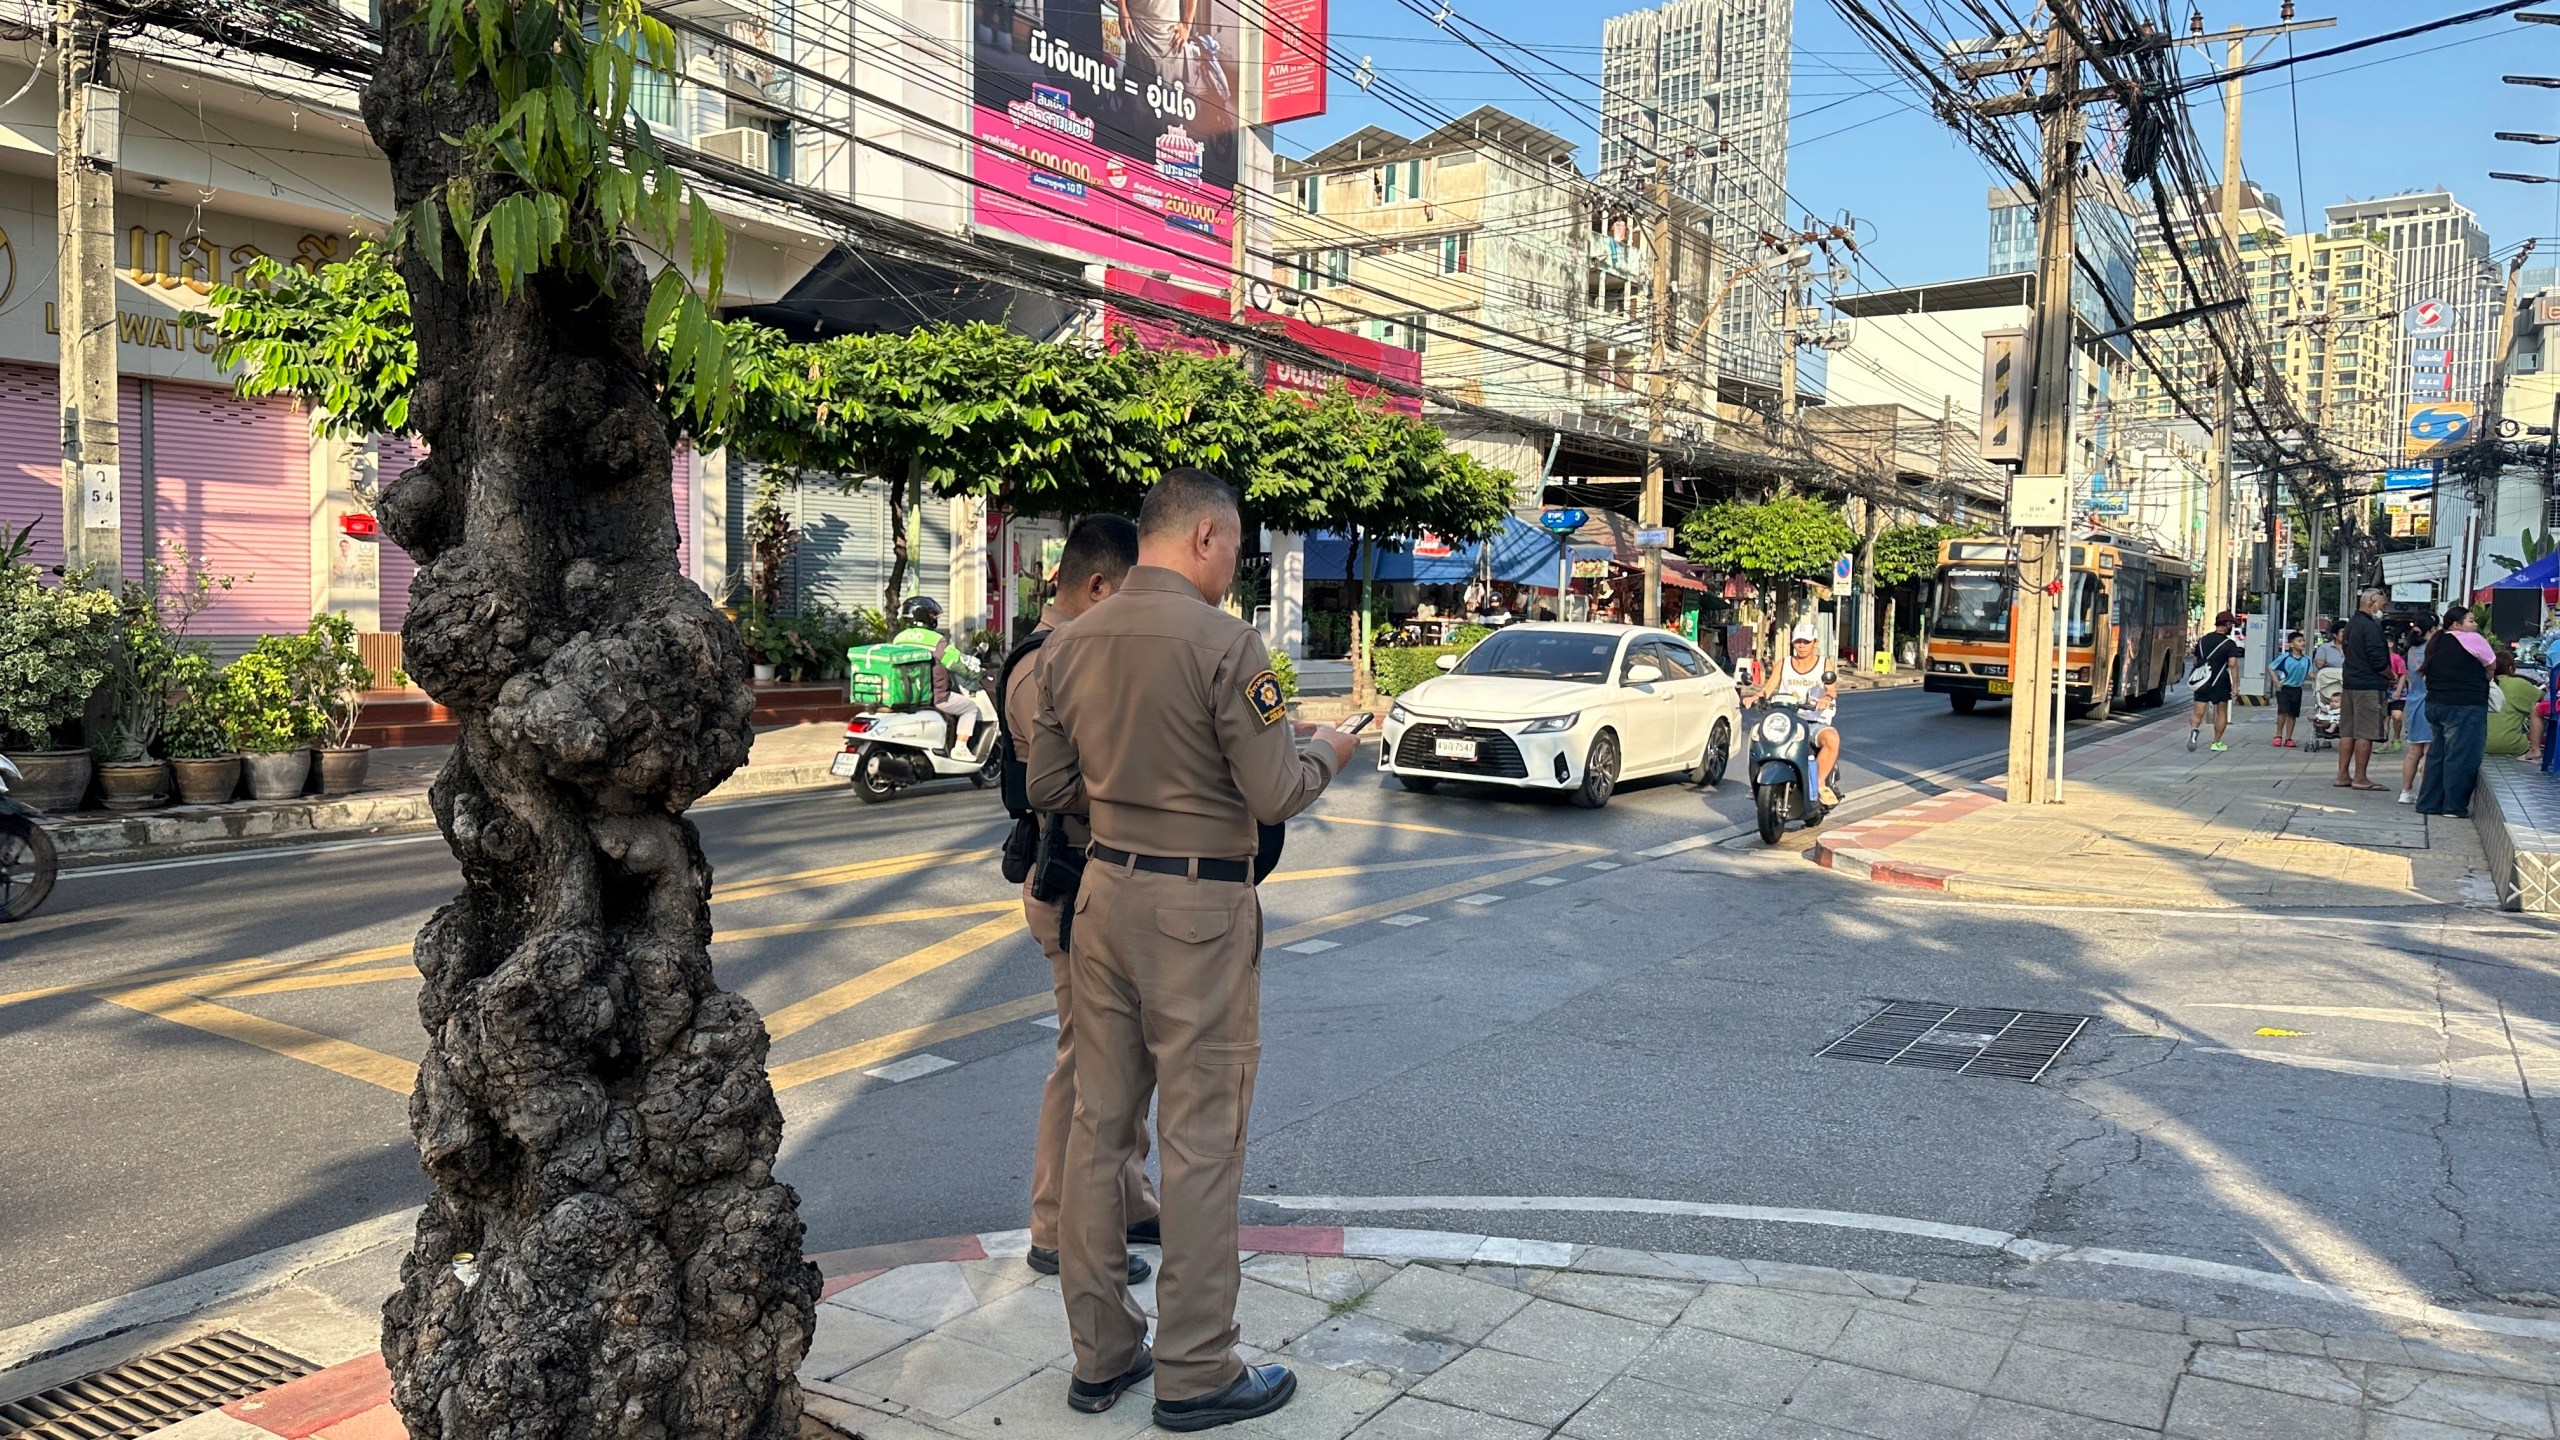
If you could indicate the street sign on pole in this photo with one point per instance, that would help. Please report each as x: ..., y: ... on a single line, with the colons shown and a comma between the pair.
x: 2413, y: 478
x: 1841, y: 570
x: 1653, y: 539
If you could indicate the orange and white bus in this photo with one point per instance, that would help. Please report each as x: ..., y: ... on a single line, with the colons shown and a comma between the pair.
x: 2128, y: 624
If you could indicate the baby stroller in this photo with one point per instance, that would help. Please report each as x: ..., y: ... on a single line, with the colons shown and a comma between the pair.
x: 2325, y: 688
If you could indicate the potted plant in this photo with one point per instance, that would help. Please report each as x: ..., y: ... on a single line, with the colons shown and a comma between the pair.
x: 767, y: 637
x: 196, y: 732
x: 335, y: 678
x: 272, y: 723
x: 55, y: 645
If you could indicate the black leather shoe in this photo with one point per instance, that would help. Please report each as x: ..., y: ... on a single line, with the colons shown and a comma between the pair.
x: 1092, y: 1397
x: 1149, y: 1231
x: 1046, y: 1262
x: 1260, y: 1390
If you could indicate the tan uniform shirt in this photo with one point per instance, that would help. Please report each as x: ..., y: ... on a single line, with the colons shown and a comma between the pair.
x: 1022, y: 710
x: 1165, y: 724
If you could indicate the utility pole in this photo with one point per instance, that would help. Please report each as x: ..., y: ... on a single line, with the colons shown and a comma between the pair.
x: 1649, y: 510
x: 1791, y: 296
x: 2217, y: 514
x: 87, y: 139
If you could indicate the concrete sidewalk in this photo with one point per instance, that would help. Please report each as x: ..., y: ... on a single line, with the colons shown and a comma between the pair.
x: 786, y: 757
x: 1426, y: 1335
x: 2145, y: 820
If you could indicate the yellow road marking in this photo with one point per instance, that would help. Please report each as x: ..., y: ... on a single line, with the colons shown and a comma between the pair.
x: 890, y: 1047
x: 843, y: 874
x: 329, y: 980
x: 354, y: 1061
x: 799, y: 1015
x: 1347, y: 918
x: 1438, y: 830
x: 144, y: 977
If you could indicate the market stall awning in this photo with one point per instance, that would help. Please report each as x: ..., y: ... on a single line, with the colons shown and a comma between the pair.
x: 1522, y: 554
x: 2542, y: 574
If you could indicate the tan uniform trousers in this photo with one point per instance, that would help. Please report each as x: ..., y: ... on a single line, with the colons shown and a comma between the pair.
x: 1058, y: 1101
x: 1168, y: 994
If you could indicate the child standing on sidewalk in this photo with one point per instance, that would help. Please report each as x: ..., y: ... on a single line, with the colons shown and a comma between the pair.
x: 2290, y: 669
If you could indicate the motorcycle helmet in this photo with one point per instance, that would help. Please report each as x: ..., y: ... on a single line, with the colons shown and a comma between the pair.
x: 921, y: 610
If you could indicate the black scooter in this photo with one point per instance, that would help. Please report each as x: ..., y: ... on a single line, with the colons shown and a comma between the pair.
x: 1784, y: 770
x: 26, y: 854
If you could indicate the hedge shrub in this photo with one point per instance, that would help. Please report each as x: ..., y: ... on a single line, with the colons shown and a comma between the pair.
x: 1399, y: 668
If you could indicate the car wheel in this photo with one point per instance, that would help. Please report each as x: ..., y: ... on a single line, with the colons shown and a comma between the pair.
x: 1418, y: 784
x: 1708, y: 773
x: 1962, y: 704
x: 870, y: 777
x: 1599, y: 772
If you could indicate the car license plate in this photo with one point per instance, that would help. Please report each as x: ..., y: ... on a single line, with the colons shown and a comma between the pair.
x: 1454, y: 749
x: 842, y: 766
x: 1999, y: 687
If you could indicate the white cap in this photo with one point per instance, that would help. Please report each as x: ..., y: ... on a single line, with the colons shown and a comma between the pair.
x: 1806, y: 631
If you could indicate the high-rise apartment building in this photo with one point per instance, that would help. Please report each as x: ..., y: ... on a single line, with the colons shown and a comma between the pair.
x: 1703, y: 85
x: 2440, y: 257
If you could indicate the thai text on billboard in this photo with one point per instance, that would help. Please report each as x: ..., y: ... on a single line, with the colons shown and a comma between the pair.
x: 1392, y: 363
x: 1293, y: 50
x: 1109, y: 127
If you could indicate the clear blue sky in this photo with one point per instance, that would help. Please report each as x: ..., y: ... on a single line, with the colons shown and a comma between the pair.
x: 2414, y: 114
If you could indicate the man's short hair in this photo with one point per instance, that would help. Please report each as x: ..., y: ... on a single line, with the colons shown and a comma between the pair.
x: 2370, y: 594
x: 1104, y: 545
x: 1181, y: 499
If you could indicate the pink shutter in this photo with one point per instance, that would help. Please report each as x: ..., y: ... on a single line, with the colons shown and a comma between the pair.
x: 31, y: 442
x: 684, y: 507
x: 235, y: 489
x: 397, y: 454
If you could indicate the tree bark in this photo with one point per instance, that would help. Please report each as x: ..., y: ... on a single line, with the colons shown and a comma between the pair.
x: 902, y: 493
x: 592, y: 1108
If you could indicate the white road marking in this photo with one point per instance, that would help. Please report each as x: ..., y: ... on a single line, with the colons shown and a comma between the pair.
x: 1548, y: 880
x: 1050, y: 1020
x: 1694, y: 842
x: 1603, y: 865
x: 2034, y: 1252
x: 1481, y: 897
x: 900, y: 1071
x: 1406, y: 920
x: 1312, y: 947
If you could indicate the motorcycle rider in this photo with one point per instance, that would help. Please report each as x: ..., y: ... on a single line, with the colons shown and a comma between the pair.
x: 1799, y: 677
x: 922, y: 616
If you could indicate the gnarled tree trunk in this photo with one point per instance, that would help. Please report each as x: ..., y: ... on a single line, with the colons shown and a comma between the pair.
x: 592, y: 1108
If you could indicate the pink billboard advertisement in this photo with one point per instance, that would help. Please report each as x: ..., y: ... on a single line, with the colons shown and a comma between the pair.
x: 1391, y: 363
x: 1109, y: 127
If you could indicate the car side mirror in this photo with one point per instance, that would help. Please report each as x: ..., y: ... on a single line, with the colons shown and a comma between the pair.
x: 1643, y: 674
x: 1447, y: 662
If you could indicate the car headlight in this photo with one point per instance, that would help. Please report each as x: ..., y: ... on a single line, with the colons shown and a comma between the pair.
x: 1398, y: 715
x: 1551, y: 725
x: 1777, y: 727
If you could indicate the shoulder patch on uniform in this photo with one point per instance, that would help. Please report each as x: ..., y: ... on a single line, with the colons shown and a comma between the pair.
x: 1263, y: 693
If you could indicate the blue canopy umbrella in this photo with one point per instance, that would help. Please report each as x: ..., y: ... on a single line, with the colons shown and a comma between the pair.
x: 2542, y: 574
x: 1523, y: 554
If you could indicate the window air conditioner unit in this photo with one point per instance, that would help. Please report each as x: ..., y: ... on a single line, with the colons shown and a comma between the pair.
x: 745, y: 144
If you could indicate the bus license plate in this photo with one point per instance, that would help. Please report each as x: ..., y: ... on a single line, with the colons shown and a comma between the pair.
x: 1454, y: 749
x: 2000, y: 687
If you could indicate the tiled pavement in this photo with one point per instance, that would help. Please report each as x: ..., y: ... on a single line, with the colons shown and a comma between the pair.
x: 1529, y: 1339
x: 2145, y: 820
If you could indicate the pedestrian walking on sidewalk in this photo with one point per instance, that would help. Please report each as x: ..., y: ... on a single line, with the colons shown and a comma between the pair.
x: 1099, y: 551
x: 2217, y: 656
x: 2413, y: 695
x: 2362, y: 696
x: 1162, y: 719
x: 2289, y: 670
x: 2458, y: 665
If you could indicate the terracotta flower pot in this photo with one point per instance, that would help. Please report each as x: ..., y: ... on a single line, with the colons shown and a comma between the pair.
x: 137, y: 786
x: 342, y: 771
x: 51, y: 779
x: 277, y: 776
x: 209, y: 781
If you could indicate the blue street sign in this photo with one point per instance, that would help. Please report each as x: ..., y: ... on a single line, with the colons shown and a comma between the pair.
x: 2114, y: 503
x: 1561, y: 522
x: 2408, y: 479
x: 1842, y: 569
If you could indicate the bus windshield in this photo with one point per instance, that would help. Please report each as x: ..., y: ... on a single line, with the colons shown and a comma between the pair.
x: 1972, y: 605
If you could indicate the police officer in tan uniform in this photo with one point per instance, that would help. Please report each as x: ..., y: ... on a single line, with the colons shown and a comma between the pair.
x: 1098, y: 553
x: 1165, y: 724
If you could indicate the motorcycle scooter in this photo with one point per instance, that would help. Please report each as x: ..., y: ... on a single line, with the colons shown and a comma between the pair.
x: 885, y: 751
x: 1784, y: 787
x: 26, y: 854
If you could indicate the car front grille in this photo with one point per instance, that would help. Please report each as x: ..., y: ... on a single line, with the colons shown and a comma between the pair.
x: 1497, y: 755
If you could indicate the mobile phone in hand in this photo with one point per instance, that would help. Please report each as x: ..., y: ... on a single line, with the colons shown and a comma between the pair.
x: 1356, y: 723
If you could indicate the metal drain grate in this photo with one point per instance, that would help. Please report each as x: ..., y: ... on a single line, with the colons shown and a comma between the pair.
x: 152, y: 1393
x: 1970, y: 1040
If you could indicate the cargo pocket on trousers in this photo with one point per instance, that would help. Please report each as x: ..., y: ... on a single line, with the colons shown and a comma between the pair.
x: 1226, y: 1094
x: 1195, y: 927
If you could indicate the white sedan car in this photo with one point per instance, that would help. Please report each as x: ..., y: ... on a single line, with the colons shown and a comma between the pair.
x: 1567, y: 708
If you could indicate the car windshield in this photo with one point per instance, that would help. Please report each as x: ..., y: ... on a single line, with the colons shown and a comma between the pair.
x: 1542, y: 655
x: 1972, y: 605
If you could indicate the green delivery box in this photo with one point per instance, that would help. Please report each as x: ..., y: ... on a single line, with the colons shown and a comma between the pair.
x: 890, y: 677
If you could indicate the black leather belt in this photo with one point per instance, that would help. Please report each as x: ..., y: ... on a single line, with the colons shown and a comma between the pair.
x: 1233, y: 871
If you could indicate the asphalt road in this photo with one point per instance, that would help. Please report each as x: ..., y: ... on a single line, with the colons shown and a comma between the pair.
x: 205, y: 1060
